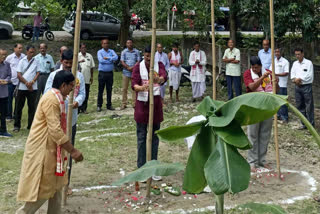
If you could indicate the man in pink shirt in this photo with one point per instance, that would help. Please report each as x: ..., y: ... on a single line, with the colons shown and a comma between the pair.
x: 36, y: 26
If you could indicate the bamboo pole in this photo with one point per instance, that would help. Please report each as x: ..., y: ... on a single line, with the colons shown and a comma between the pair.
x: 214, y: 94
x: 274, y: 84
x: 151, y: 98
x: 74, y: 72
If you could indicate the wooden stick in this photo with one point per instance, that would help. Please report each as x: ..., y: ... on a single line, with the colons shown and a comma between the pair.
x: 214, y: 87
x: 151, y: 99
x: 74, y: 72
x: 274, y: 84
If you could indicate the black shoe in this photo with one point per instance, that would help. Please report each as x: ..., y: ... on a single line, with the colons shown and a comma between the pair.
x: 111, y: 108
x: 16, y: 129
x: 98, y: 109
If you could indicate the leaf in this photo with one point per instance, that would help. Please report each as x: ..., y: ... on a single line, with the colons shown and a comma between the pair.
x: 208, y: 106
x: 226, y: 170
x: 173, y: 133
x: 151, y: 168
x: 194, y: 180
x: 263, y: 208
x: 233, y: 135
x: 247, y: 109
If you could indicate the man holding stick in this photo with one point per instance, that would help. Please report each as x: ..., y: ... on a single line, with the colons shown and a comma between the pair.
x: 140, y: 83
x: 44, y: 161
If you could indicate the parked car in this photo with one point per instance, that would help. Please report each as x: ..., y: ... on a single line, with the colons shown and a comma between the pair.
x: 94, y: 25
x: 6, y: 30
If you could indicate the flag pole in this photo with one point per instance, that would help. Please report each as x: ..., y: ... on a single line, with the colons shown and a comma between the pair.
x: 74, y: 72
x: 151, y: 98
x: 274, y: 84
x: 214, y: 94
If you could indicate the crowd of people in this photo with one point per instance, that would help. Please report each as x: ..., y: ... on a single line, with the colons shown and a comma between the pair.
x: 46, y: 84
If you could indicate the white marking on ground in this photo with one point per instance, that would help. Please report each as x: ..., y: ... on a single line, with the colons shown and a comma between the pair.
x: 101, y: 130
x: 94, y: 121
x: 310, y: 180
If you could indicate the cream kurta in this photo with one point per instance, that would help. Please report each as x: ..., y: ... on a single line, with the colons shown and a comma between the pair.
x: 38, y: 179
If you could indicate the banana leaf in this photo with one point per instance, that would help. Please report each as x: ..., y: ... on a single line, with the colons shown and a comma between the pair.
x: 226, y: 170
x: 208, y: 106
x: 233, y: 135
x: 247, y: 109
x: 173, y: 133
x: 151, y: 168
x: 262, y: 208
x: 194, y: 180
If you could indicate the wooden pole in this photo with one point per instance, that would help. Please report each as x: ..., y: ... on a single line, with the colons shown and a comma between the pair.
x: 151, y: 100
x: 74, y: 72
x: 214, y: 94
x: 274, y: 84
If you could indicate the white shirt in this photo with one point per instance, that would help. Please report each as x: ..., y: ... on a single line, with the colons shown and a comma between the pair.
x: 281, y: 66
x: 86, y: 66
x: 29, y: 74
x: 232, y: 69
x: 198, y: 75
x: 303, y: 70
x: 13, y: 60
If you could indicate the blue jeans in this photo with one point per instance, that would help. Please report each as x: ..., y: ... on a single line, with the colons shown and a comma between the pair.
x: 11, y: 88
x: 36, y: 33
x: 283, y: 111
x: 142, y: 138
x: 236, y: 80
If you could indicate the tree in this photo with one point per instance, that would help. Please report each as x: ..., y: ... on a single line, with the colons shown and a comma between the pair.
x: 233, y: 19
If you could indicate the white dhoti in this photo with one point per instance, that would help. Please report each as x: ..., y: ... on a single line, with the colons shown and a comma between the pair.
x: 198, y: 89
x: 174, y: 79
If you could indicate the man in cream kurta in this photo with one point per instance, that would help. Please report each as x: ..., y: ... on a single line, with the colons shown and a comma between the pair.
x: 38, y: 180
x: 198, y: 61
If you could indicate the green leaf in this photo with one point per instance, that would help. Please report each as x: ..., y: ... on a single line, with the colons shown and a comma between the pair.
x: 208, y: 106
x: 262, y: 208
x: 226, y: 170
x: 194, y: 180
x: 233, y: 135
x: 173, y: 133
x: 247, y: 109
x: 151, y: 168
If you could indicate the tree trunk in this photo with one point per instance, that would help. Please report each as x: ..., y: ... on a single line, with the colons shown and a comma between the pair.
x: 125, y: 23
x: 233, y: 20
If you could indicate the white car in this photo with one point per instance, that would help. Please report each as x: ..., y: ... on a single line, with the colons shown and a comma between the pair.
x: 6, y: 30
x: 94, y: 25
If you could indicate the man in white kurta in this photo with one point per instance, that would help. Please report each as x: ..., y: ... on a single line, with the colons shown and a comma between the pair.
x: 198, y: 61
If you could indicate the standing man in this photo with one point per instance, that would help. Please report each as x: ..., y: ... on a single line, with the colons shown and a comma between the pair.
x: 43, y: 166
x: 58, y: 63
x: 5, y: 78
x: 258, y: 79
x: 265, y: 54
x: 87, y: 65
x: 282, y: 71
x: 46, y: 66
x: 162, y: 57
x: 129, y: 58
x: 36, y: 26
x: 106, y: 58
x: 232, y: 59
x: 13, y: 59
x: 79, y: 95
x: 198, y: 61
x: 176, y: 60
x: 140, y: 83
x: 302, y: 77
x: 28, y: 73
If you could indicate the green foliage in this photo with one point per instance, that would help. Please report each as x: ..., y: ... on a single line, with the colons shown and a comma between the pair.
x: 151, y: 168
x: 290, y: 15
x: 262, y: 208
x: 251, y: 42
x: 226, y: 170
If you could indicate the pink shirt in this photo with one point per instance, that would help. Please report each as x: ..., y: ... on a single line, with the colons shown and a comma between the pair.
x: 37, y: 21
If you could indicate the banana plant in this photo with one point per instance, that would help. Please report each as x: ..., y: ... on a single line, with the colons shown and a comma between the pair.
x: 214, y: 159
